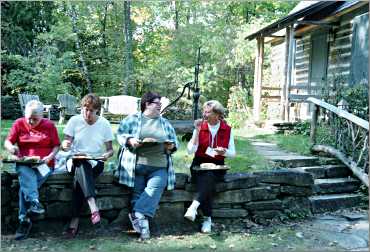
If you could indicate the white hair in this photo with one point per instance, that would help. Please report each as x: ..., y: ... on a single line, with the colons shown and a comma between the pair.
x: 216, y: 107
x: 34, y: 107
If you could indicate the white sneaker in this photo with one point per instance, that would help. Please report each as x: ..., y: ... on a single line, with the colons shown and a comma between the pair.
x: 206, y: 225
x: 144, y: 229
x: 135, y: 222
x: 190, y: 214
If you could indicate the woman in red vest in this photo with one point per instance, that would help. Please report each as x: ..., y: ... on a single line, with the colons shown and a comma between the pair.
x: 211, y: 142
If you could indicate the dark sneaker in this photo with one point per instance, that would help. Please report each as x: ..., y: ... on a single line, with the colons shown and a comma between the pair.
x: 36, y: 208
x: 135, y: 222
x: 23, y: 230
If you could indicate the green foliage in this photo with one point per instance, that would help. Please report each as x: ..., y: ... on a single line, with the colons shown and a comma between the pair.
x: 357, y: 98
x: 302, y: 128
x: 40, y: 53
x: 238, y: 106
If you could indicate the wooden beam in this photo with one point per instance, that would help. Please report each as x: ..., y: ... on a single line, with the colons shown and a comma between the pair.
x: 361, y: 175
x: 318, y: 23
x: 257, y: 85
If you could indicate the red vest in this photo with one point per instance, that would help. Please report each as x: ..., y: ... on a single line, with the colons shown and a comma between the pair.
x: 222, y: 139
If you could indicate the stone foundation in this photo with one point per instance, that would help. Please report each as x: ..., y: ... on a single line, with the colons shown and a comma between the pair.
x: 260, y: 197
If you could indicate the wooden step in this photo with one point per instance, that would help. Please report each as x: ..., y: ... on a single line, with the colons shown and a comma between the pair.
x: 326, y: 171
x: 333, y: 202
x: 336, y: 185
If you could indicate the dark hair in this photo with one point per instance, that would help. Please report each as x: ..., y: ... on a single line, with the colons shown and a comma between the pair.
x: 91, y: 99
x: 148, y: 97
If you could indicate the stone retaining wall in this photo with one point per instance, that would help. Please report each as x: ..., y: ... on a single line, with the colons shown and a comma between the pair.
x: 259, y: 196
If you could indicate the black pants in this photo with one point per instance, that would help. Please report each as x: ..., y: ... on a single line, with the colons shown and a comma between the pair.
x: 206, y: 183
x: 84, y: 183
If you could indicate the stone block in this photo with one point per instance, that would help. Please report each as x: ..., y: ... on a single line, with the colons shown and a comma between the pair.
x: 296, y: 190
x: 169, y: 213
x: 54, y: 194
x: 110, y: 203
x: 105, y: 178
x: 229, y: 213
x: 110, y: 190
x: 59, y: 178
x: 287, y: 177
x: 176, y: 196
x: 262, y: 193
x: 237, y: 181
x: 264, y: 205
x: 122, y: 219
x: 58, y: 210
x: 297, y: 206
x: 181, y: 180
x: 234, y: 196
x: 110, y: 214
x: 325, y: 203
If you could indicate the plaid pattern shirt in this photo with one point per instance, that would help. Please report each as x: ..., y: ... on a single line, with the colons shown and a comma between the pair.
x: 130, y: 127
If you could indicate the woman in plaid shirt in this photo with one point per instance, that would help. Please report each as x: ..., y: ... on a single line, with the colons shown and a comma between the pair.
x: 145, y: 162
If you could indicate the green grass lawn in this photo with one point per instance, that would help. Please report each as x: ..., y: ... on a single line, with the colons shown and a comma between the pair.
x: 246, y: 159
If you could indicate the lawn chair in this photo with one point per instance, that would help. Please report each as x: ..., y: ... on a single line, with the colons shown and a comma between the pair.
x: 25, y: 98
x: 68, y: 106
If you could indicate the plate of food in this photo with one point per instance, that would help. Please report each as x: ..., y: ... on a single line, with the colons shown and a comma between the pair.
x: 210, y: 166
x: 24, y: 160
x: 83, y: 156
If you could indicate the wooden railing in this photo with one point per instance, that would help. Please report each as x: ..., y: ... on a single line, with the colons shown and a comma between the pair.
x: 351, y: 137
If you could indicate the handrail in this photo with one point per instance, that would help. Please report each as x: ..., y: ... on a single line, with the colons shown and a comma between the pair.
x: 341, y: 113
x: 356, y: 156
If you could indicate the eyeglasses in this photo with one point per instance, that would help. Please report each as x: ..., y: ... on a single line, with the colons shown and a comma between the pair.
x: 157, y: 103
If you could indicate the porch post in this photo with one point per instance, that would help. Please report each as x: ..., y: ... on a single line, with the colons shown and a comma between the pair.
x: 289, y: 54
x: 289, y: 71
x: 257, y: 85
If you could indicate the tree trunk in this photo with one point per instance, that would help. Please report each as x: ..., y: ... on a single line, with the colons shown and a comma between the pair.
x: 128, y: 86
x: 85, y: 72
x: 175, y: 3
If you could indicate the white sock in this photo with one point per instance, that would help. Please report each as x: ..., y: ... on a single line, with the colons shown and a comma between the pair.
x: 139, y: 215
x: 208, y: 219
x: 195, y: 204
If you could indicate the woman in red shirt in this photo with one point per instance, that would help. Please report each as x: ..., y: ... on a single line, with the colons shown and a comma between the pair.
x: 32, y: 136
x: 211, y: 142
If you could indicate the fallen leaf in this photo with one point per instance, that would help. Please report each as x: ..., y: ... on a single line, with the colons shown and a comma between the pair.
x: 299, y: 234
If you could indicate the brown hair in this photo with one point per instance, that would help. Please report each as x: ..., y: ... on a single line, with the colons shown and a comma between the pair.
x: 148, y: 97
x: 91, y: 99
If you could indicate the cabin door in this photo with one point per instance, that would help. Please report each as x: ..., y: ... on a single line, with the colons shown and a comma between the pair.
x: 318, y: 63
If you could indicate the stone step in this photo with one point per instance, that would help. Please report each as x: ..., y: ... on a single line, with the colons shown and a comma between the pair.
x: 336, y: 185
x: 333, y: 202
x: 326, y: 171
x: 291, y: 161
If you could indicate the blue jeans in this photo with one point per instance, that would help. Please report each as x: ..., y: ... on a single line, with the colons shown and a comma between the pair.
x: 150, y: 183
x: 30, y: 180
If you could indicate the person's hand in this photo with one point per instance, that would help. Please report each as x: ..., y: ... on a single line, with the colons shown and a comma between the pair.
x: 106, y: 156
x: 168, y: 146
x: 47, y: 158
x: 134, y: 142
x: 14, y: 150
x: 197, y: 124
x: 220, y: 151
x: 66, y: 145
